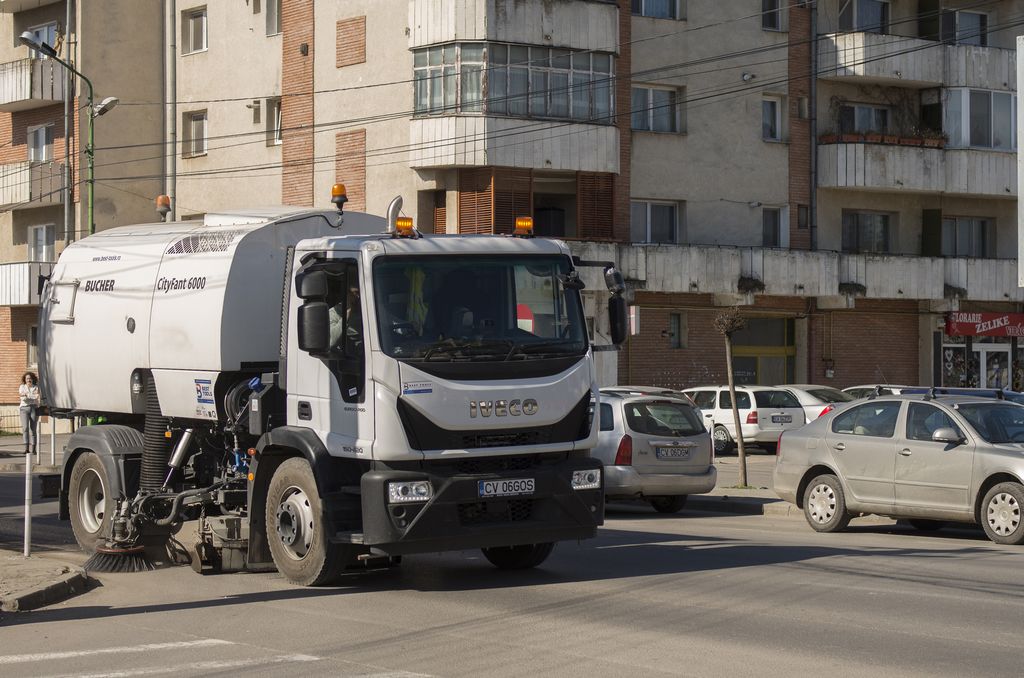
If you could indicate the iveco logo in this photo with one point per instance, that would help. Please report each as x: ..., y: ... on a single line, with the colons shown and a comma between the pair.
x: 502, y: 408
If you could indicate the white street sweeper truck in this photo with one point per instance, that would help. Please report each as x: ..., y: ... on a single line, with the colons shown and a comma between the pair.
x: 317, y: 391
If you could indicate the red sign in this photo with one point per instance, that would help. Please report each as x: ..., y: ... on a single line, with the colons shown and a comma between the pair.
x: 967, y: 324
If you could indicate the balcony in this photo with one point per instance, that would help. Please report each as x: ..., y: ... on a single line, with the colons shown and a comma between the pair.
x: 894, y: 60
x: 25, y: 185
x: 887, y: 167
x: 30, y: 83
x: 19, y: 282
x: 12, y: 6
x: 707, y: 269
x: 479, y: 141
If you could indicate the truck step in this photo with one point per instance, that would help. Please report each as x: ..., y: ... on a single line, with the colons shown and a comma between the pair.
x: 349, y: 537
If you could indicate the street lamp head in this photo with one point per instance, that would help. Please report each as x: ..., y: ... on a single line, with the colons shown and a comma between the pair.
x: 104, y: 106
x: 29, y: 40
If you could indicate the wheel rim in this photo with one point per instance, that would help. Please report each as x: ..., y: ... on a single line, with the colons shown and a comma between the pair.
x: 294, y: 523
x: 721, y: 437
x: 1003, y: 514
x: 91, y: 501
x: 821, y: 503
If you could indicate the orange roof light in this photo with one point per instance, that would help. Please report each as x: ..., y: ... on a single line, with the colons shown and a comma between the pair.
x: 404, y: 226
x: 524, y: 226
x: 339, y: 196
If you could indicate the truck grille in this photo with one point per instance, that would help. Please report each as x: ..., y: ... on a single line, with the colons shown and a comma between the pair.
x: 509, y: 439
x: 489, y: 513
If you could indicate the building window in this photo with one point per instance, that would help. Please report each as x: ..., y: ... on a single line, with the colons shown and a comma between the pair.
x: 968, y: 237
x: 867, y: 232
x: 802, y: 217
x: 273, y: 121
x: 868, y: 16
x: 193, y: 30
x: 965, y: 28
x: 273, y: 16
x: 46, y: 34
x: 32, y: 352
x: 677, y: 330
x: 863, y: 118
x: 980, y: 119
x: 194, y: 128
x: 656, y: 109
x: 771, y: 15
x: 771, y: 119
x: 659, y: 9
x: 513, y: 80
x: 40, y: 242
x: 654, y: 222
x: 771, y: 226
x: 40, y: 143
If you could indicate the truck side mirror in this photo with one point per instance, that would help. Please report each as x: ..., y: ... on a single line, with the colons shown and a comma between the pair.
x: 618, y: 319
x: 311, y: 285
x: 314, y: 327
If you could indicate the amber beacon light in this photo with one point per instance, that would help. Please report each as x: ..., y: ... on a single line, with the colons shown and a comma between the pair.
x: 339, y: 196
x: 524, y: 227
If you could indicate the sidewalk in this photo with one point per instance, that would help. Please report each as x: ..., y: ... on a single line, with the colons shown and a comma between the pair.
x: 42, y: 579
x: 12, y: 453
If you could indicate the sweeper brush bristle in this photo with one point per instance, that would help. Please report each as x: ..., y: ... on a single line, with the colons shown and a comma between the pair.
x: 112, y: 559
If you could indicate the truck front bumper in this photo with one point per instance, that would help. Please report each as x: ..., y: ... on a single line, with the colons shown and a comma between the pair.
x: 456, y: 517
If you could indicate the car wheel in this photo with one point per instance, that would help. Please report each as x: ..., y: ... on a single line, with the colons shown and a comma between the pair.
x: 669, y: 504
x: 825, y: 504
x: 926, y: 525
x: 518, y: 557
x: 723, y: 441
x: 1001, y: 513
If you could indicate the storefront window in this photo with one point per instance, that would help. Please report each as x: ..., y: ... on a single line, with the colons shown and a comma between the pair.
x: 764, y: 352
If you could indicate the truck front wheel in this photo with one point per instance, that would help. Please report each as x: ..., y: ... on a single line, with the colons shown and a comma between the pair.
x: 518, y: 557
x: 295, y: 527
x: 89, y: 501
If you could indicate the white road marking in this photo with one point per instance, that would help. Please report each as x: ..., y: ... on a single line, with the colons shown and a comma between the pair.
x: 47, y: 656
x: 198, y: 666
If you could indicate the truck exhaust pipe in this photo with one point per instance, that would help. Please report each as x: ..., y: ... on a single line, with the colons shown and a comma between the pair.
x: 394, y: 209
x: 178, y: 456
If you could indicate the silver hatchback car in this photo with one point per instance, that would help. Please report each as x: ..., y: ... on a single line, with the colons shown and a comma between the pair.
x: 927, y: 458
x: 655, y: 448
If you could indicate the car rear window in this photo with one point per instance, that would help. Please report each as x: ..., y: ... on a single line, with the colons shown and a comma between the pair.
x: 831, y: 395
x: 662, y: 419
x: 775, y: 399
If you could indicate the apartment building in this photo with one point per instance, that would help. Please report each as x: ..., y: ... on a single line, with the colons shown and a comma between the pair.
x: 37, y: 219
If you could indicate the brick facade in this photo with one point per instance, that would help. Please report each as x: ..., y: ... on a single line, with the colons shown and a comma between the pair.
x: 14, y: 327
x: 350, y: 45
x: 297, y: 102
x: 801, y: 145
x: 350, y: 166
x: 623, y: 121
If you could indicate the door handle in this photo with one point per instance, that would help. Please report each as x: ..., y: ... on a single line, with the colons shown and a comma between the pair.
x: 840, y: 446
x: 905, y: 452
x: 708, y: 416
x: 305, y: 410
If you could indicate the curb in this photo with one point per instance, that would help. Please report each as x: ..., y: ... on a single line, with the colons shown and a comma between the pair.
x: 9, y: 467
x: 67, y: 586
x: 750, y: 506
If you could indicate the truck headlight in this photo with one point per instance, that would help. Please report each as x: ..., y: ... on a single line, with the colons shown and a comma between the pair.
x: 586, y: 480
x: 417, y: 490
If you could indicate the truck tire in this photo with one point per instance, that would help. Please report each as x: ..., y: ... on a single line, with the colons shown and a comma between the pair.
x: 295, y: 527
x: 518, y: 557
x: 90, y: 502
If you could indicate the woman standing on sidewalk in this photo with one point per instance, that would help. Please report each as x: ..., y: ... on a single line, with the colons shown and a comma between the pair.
x: 28, y: 392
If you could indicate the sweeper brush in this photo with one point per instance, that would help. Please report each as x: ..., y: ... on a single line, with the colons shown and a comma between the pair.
x: 114, y: 559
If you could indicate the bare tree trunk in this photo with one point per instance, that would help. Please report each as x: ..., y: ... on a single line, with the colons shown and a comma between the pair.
x: 741, y: 452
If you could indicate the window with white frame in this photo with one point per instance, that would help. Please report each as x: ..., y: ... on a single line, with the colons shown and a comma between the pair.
x: 868, y: 16
x: 657, y: 109
x: 273, y: 16
x: 965, y: 28
x: 40, y: 242
x: 654, y: 222
x: 273, y: 121
x: 514, y: 80
x: 867, y: 232
x: 968, y: 237
x: 46, y: 33
x: 194, y: 127
x: 863, y: 118
x: 771, y: 226
x: 193, y: 30
x: 771, y: 15
x: 40, y: 143
x: 771, y: 119
x: 976, y: 118
x: 659, y: 9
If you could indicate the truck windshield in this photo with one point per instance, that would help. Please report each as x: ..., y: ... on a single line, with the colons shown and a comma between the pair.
x: 486, y: 308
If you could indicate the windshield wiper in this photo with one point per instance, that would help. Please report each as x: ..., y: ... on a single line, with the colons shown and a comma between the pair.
x: 450, y: 346
x: 523, y: 345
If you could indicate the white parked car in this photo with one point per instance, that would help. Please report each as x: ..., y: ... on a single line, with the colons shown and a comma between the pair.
x: 817, y: 400
x: 765, y: 412
x: 864, y: 390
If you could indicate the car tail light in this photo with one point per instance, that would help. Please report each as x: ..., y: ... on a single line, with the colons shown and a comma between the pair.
x: 624, y: 455
x: 752, y: 417
x: 827, y: 409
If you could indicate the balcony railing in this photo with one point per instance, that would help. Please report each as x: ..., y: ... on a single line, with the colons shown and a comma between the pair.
x: 711, y: 269
x: 888, y: 167
x: 19, y: 282
x: 900, y: 61
x: 30, y: 83
x: 12, y: 6
x: 24, y: 185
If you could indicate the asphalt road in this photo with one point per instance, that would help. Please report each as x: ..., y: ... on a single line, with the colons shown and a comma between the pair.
x: 694, y: 594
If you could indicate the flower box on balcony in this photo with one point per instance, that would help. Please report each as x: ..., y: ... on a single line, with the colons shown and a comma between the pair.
x: 828, y: 139
x: 854, y: 138
x: 911, y: 141
x: 892, y: 139
x: 934, y: 142
x: 873, y: 137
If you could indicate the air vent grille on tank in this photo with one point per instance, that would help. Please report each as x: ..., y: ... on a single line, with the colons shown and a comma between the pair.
x: 204, y: 242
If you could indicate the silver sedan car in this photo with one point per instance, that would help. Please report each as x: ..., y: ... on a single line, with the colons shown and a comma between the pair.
x: 654, y: 448
x: 926, y: 458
